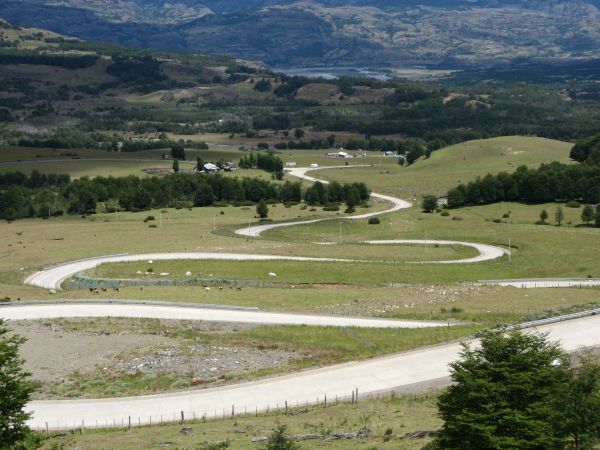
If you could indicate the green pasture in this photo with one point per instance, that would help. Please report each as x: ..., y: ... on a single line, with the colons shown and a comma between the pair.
x: 538, y: 250
x: 459, y: 163
x: 34, y: 243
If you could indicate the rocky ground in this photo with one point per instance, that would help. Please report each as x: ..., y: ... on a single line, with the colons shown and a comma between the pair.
x: 68, y: 352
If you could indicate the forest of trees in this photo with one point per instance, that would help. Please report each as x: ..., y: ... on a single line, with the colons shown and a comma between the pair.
x: 551, y: 182
x: 31, y: 57
x: 334, y: 192
x: 265, y: 161
x: 40, y: 195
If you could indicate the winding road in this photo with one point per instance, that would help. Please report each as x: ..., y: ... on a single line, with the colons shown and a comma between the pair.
x: 380, y: 374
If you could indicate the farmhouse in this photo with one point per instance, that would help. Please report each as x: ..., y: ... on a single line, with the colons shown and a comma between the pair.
x: 339, y: 154
x: 210, y: 168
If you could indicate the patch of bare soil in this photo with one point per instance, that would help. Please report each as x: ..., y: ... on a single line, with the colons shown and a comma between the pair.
x: 59, y: 352
x: 409, y: 297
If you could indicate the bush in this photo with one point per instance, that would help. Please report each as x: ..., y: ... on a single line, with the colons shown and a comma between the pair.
x: 331, y: 207
x: 349, y: 210
x: 445, y: 214
x: 573, y: 204
x: 279, y: 440
x: 149, y: 218
x: 374, y: 221
x: 457, y: 218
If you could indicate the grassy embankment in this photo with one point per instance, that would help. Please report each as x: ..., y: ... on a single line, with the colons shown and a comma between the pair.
x: 400, y: 414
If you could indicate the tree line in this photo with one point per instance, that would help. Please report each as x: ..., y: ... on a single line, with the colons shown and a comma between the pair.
x: 32, y: 57
x: 265, y: 161
x: 23, y: 196
x: 549, y: 183
x: 71, y: 138
x: 333, y: 193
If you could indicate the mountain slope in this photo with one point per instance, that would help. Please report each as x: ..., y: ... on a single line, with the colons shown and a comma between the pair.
x: 332, y: 32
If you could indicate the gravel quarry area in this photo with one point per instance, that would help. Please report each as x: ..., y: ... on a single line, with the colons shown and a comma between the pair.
x: 61, y: 353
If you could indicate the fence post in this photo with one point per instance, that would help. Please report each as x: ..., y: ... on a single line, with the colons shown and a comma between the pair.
x: 182, y: 417
x: 129, y: 423
x: 232, y: 410
x: 357, y: 396
x: 47, y: 429
x: 325, y: 400
x: 286, y: 408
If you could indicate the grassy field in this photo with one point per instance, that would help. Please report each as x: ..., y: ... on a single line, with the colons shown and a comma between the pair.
x: 401, y: 414
x: 85, y: 162
x: 460, y: 163
x: 538, y: 250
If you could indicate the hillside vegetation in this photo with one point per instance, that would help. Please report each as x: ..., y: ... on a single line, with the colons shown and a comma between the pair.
x: 331, y: 32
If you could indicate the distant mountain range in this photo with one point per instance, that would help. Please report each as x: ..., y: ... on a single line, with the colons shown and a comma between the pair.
x: 332, y: 32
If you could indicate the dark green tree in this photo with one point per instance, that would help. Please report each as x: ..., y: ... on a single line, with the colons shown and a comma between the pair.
x: 178, y: 152
x: 176, y: 165
x: 299, y: 133
x: 504, y: 395
x: 597, y: 218
x: 579, y: 404
x: 587, y: 214
x: 15, y: 391
x: 263, y: 85
x: 199, y: 163
x: 543, y: 216
x: 559, y: 216
x: 429, y: 203
x: 262, y: 209
x: 352, y: 200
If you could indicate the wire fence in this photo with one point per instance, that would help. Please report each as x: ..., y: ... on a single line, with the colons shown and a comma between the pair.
x: 80, y: 281
x: 235, y: 410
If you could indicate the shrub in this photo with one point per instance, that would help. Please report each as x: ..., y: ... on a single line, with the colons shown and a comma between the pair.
x: 445, y: 214
x: 374, y: 221
x: 149, y: 218
x: 331, y: 207
x: 573, y: 204
x: 349, y: 210
x: 457, y: 218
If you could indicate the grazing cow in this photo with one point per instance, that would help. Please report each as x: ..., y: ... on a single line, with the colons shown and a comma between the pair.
x: 116, y: 289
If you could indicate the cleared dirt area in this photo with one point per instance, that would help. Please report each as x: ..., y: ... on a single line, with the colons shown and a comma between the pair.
x: 100, y: 357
